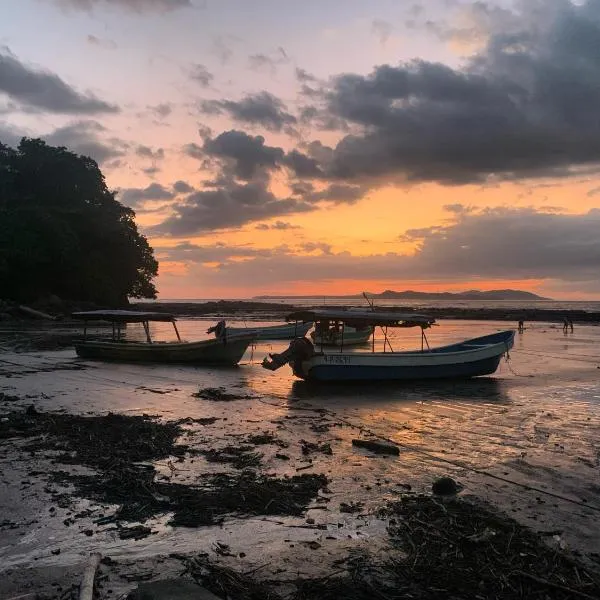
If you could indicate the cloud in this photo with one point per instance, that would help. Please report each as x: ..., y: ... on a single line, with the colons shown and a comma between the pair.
x: 147, y: 152
x: 87, y: 137
x: 137, y: 6
x: 243, y: 155
x: 278, y: 225
x: 44, y: 90
x: 151, y: 171
x: 100, y: 42
x: 182, y: 187
x: 304, y: 76
x: 10, y: 135
x: 261, y: 109
x: 382, y: 30
x: 303, y: 166
x: 201, y: 75
x: 268, y: 62
x: 226, y: 206
x: 135, y: 196
x: 222, y: 47
x: 161, y: 110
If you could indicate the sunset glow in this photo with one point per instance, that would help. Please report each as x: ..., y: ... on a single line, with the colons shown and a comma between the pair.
x: 330, y: 147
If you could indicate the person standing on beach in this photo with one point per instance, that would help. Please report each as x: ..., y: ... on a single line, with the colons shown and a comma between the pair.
x: 565, y: 325
x: 521, y: 326
x: 571, y: 325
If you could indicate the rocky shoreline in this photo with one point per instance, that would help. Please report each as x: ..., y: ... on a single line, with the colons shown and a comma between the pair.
x: 274, y: 310
x: 254, y: 310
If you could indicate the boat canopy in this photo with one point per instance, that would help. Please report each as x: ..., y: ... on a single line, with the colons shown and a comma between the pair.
x: 364, y: 318
x: 123, y: 316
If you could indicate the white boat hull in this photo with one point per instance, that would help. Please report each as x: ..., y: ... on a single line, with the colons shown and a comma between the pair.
x: 287, y: 331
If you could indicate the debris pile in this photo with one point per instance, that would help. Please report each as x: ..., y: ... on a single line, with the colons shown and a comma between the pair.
x: 219, y: 394
x: 114, y: 445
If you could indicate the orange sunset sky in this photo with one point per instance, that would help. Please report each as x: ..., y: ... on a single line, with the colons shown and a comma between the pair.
x: 328, y: 146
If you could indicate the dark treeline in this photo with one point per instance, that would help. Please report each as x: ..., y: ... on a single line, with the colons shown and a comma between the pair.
x: 63, y: 233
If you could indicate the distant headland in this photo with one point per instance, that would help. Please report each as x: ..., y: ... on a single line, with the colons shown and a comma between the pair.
x: 413, y: 295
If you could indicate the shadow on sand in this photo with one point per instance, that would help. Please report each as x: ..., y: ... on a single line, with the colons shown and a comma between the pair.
x: 483, y: 389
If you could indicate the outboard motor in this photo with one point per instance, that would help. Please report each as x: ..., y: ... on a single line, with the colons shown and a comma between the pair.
x: 300, y: 349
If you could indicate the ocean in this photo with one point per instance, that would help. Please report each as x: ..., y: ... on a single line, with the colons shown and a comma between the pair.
x: 586, y: 305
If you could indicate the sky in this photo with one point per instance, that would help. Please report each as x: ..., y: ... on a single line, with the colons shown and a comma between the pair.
x: 328, y: 146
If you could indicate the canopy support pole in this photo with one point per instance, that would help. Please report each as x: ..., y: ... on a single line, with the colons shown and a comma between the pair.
x: 176, y: 331
x: 147, y: 330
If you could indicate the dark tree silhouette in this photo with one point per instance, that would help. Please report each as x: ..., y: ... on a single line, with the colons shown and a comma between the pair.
x: 62, y: 231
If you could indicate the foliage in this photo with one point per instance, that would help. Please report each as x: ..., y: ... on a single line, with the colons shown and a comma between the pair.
x: 62, y: 231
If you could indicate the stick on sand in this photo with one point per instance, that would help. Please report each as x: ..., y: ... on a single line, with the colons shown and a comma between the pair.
x: 86, y: 590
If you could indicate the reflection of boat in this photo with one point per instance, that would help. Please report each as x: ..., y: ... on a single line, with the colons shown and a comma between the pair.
x: 335, y: 333
x: 225, y: 350
x: 471, y: 358
x: 285, y: 331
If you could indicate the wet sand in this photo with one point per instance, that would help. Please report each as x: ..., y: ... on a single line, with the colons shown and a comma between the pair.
x: 527, y: 440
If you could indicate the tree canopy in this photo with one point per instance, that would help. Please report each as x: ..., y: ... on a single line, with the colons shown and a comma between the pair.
x: 63, y: 232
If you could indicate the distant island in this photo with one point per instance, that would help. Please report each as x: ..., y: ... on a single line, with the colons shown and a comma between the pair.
x: 413, y: 295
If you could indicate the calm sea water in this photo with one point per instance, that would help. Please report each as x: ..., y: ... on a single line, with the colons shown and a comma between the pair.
x: 590, y: 306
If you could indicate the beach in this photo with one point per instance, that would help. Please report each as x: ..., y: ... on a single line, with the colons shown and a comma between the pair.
x: 524, y: 442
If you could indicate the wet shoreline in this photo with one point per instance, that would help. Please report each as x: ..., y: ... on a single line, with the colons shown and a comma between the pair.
x: 525, y: 442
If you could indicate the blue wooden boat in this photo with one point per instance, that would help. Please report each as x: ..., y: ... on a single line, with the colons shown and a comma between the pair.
x: 470, y: 358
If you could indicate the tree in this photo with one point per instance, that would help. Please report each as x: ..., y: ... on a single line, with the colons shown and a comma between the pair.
x: 63, y: 232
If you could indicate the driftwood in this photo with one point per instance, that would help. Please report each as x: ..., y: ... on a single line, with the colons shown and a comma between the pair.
x: 38, y: 314
x: 377, y: 447
x: 86, y: 590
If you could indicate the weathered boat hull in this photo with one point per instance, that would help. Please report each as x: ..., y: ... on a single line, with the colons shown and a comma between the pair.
x: 472, y: 358
x: 351, y: 338
x: 288, y: 331
x: 214, y: 351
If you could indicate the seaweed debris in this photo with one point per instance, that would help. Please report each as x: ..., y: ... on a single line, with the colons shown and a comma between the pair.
x: 94, y: 441
x: 311, y: 447
x: 440, y: 550
x: 240, y: 457
x: 219, y: 394
x: 226, y: 582
x: 115, y: 444
x: 265, y: 437
x: 247, y: 493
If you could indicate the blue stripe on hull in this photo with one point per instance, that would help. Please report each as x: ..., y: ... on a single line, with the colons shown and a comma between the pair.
x: 485, y: 366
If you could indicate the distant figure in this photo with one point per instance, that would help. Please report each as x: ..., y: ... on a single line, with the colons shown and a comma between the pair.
x: 565, y: 325
x: 521, y: 326
x: 571, y: 325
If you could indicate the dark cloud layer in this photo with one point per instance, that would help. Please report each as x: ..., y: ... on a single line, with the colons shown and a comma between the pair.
x: 524, y: 106
x: 261, y: 109
x: 45, y: 90
x: 230, y: 205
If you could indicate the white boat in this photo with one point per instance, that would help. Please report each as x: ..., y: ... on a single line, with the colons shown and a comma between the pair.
x: 471, y: 358
x: 225, y: 350
x: 335, y: 333
x: 285, y: 331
